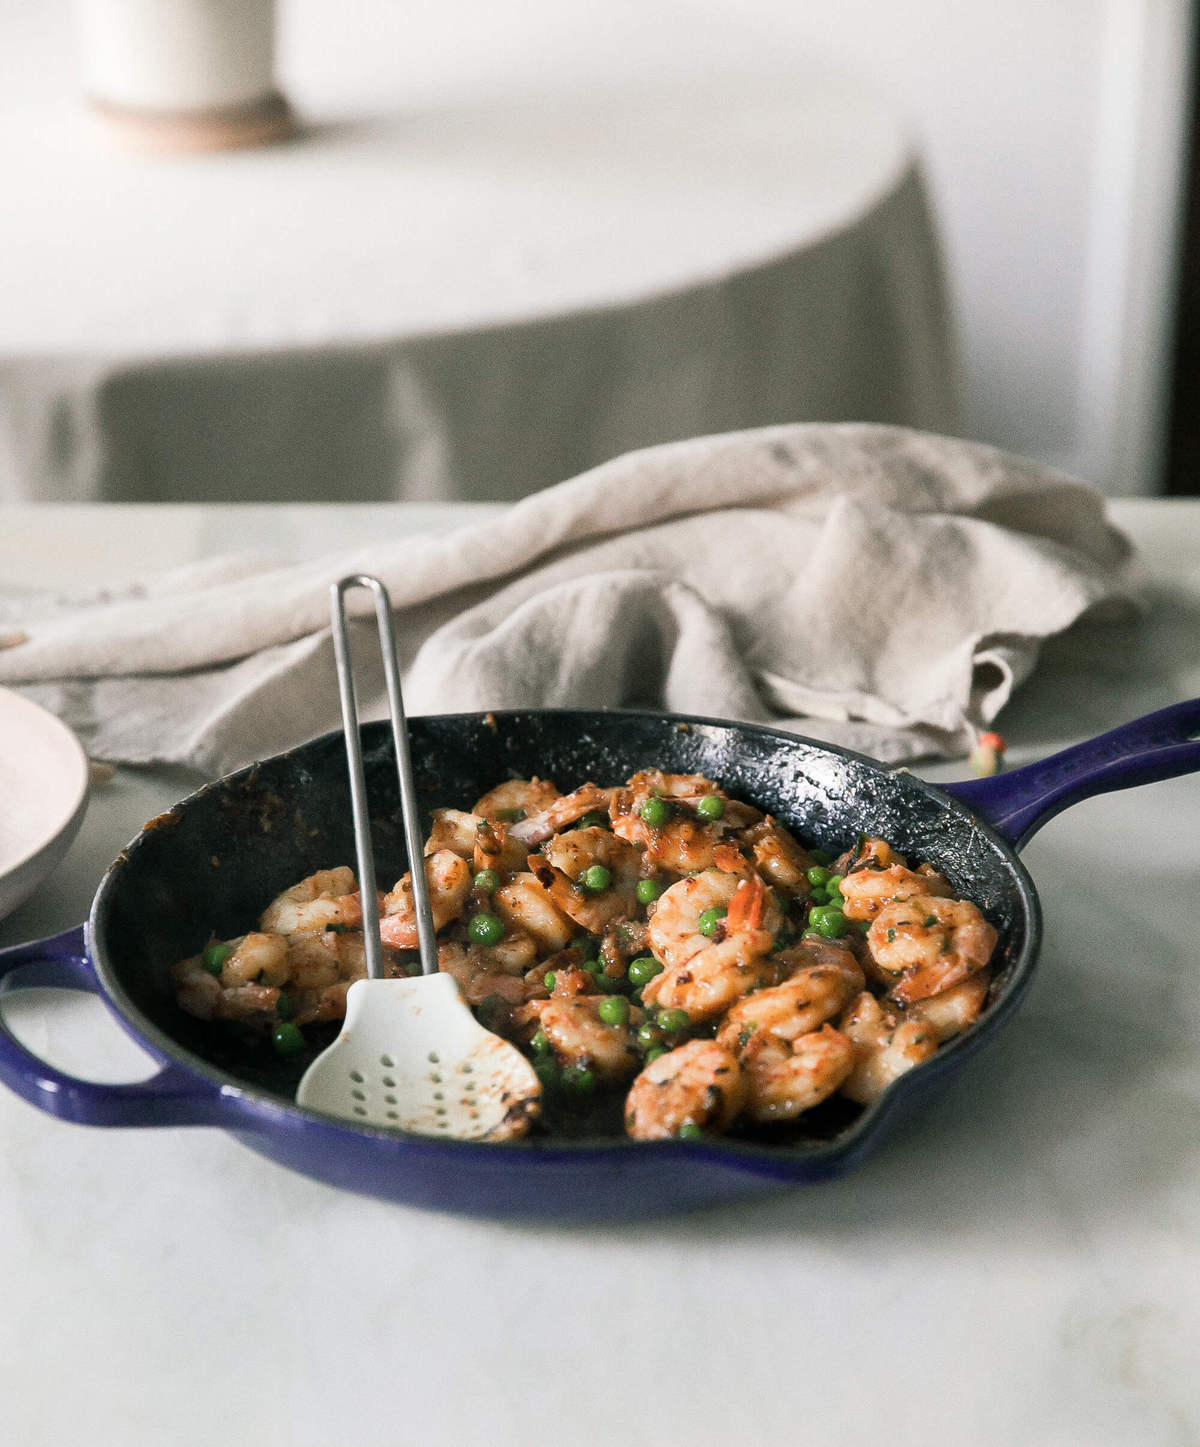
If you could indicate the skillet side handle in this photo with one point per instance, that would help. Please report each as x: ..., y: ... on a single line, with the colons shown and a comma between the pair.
x: 172, y: 1097
x: 1159, y: 745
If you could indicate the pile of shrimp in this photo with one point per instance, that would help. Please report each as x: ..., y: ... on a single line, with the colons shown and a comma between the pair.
x: 658, y: 938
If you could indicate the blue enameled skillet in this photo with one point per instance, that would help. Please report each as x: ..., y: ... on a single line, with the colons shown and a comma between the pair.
x: 213, y: 862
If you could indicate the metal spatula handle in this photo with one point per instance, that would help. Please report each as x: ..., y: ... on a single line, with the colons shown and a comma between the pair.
x: 426, y: 935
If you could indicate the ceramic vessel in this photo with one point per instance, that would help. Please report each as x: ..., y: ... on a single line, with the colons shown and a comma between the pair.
x: 183, y: 74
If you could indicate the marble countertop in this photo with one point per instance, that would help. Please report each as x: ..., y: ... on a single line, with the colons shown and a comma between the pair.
x: 1022, y: 1264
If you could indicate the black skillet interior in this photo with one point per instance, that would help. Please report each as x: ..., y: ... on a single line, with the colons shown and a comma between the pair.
x: 211, y: 865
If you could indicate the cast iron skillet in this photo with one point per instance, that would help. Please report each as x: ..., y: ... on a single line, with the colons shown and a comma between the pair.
x: 214, y: 861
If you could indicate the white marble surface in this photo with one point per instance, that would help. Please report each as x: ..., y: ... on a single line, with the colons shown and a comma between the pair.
x: 1021, y: 1265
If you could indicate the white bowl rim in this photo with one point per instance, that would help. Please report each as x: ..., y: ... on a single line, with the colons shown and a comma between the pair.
x: 31, y: 718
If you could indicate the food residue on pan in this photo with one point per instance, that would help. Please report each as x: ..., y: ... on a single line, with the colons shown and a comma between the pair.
x: 657, y: 945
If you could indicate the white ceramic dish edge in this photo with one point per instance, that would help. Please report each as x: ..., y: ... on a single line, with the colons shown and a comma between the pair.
x: 44, y: 778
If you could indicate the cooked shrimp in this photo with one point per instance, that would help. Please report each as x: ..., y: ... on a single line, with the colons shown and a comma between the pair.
x: 448, y: 878
x: 329, y: 897
x: 524, y: 903
x: 322, y: 966
x: 813, y: 950
x: 452, y: 829
x: 262, y: 965
x: 257, y: 959
x: 696, y: 1084
x: 685, y: 790
x: 564, y: 862
x: 620, y: 942
x: 483, y: 970
x: 712, y: 980
x: 931, y: 944
x: 250, y: 1004
x: 885, y: 1046
x: 867, y: 891
x: 496, y: 848
x: 566, y: 809
x: 798, y: 1006
x: 870, y: 852
x: 784, y: 1079
x: 778, y: 857
x: 654, y: 784
x: 196, y: 991
x: 578, y: 1036
x: 704, y: 975
x: 949, y: 1012
x: 516, y: 797
x: 672, y: 932
x: 681, y: 843
x: 707, y: 982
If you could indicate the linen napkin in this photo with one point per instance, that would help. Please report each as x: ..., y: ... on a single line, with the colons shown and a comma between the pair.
x: 869, y: 585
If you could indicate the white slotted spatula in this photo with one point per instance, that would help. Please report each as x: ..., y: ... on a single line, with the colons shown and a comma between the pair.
x: 411, y: 1056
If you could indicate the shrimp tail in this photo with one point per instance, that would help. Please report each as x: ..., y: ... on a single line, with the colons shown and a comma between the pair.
x: 747, y: 907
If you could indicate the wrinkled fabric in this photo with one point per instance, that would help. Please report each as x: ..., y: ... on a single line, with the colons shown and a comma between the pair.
x: 874, y: 586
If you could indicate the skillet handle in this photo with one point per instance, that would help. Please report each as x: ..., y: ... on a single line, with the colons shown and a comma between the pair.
x: 1159, y: 745
x: 172, y: 1097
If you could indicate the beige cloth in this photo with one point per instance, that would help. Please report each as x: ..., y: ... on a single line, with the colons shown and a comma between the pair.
x: 874, y: 586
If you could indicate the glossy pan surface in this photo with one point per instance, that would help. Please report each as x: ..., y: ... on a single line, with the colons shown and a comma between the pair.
x: 213, y: 864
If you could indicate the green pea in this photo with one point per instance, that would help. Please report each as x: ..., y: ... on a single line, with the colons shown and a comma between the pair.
x: 596, y: 879
x: 690, y: 1131
x: 594, y: 820
x: 832, y: 923
x: 284, y: 1006
x: 215, y: 956
x: 593, y: 967
x: 673, y: 1022
x: 614, y: 1010
x: 817, y: 876
x: 709, y: 920
x: 287, y: 1039
x: 487, y: 880
x: 819, y: 896
x: 654, y: 1052
x: 579, y: 1080
x: 550, y: 979
x: 648, y: 890
x: 822, y: 856
x: 485, y: 929
x: 834, y: 883
x: 655, y: 812
x: 649, y: 1035
x: 540, y: 1043
x: 643, y: 970
x: 712, y: 806
x: 548, y: 1072
x: 608, y: 984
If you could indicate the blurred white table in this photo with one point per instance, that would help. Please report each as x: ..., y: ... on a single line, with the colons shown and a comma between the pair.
x: 510, y: 242
x: 1020, y: 1266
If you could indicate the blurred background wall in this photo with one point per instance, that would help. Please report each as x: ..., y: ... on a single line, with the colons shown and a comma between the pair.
x: 1055, y: 135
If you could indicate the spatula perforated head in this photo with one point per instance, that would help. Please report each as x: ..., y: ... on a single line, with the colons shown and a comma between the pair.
x: 411, y: 1056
